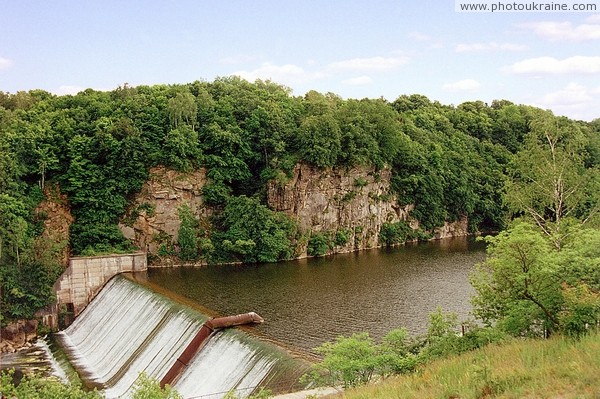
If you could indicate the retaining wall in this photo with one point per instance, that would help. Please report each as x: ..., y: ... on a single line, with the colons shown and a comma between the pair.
x: 85, y: 276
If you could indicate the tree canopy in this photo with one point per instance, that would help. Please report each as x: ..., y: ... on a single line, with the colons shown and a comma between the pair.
x: 449, y: 162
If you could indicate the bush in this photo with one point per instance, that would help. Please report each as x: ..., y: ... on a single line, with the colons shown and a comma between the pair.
x: 186, y: 236
x: 251, y: 232
x: 342, y: 237
x: 318, y: 244
x: 356, y: 360
x: 34, y: 387
x: 149, y: 388
x: 395, y: 233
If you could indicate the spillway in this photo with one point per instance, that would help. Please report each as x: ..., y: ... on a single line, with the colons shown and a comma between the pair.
x: 128, y: 329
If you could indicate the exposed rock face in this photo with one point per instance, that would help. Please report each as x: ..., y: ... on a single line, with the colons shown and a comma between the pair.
x: 355, y: 201
x: 153, y: 218
x: 17, y: 335
x: 56, y: 214
x: 460, y: 228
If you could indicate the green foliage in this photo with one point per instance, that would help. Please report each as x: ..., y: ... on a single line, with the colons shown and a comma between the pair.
x: 349, y: 361
x: 395, y: 233
x: 187, y: 239
x: 342, y: 236
x: 181, y: 148
x: 32, y: 387
x: 528, y: 287
x: 318, y: 244
x: 518, y: 284
x: 356, y: 360
x: 360, y: 182
x: 448, y: 163
x: 149, y: 388
x: 251, y: 232
x: 319, y: 140
x: 549, y: 181
x: 97, y: 239
x: 581, y: 310
x: 216, y: 193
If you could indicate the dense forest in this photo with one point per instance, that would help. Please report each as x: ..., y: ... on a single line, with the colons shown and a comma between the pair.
x: 473, y: 160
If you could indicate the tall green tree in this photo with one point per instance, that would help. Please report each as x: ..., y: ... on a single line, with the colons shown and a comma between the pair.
x: 549, y: 180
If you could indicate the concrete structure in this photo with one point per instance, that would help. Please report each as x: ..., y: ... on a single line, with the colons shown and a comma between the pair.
x: 85, y: 276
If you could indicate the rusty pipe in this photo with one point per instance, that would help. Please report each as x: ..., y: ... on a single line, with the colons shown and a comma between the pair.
x: 200, y: 339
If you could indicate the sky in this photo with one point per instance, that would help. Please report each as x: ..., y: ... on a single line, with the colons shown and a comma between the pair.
x: 353, y: 48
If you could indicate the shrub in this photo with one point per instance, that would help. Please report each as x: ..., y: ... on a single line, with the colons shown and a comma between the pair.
x: 318, y: 244
x: 186, y: 236
x: 395, y: 233
x: 342, y: 237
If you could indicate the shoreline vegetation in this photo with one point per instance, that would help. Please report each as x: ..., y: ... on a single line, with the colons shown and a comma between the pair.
x: 89, y: 154
x: 523, y: 171
x: 559, y: 367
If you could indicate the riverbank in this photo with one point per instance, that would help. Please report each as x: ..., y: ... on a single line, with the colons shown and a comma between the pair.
x: 18, y: 335
x: 554, y: 368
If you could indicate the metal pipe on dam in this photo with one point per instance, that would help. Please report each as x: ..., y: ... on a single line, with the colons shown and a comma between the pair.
x: 128, y: 329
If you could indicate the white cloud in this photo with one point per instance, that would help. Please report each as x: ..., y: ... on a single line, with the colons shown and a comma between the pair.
x: 573, y: 93
x: 491, y: 46
x: 368, y: 64
x: 593, y: 19
x: 5, y: 63
x: 358, y: 81
x: 566, y: 31
x: 550, y: 65
x: 462, y: 85
x: 73, y: 89
x: 291, y: 74
x: 288, y: 73
x: 66, y: 89
x: 574, y: 100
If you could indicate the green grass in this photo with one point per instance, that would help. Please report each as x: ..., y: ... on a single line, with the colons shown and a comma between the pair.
x: 555, y: 368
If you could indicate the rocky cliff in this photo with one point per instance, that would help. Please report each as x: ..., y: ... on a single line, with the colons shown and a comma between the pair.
x: 348, y: 205
x: 55, y: 212
x: 152, y: 221
x: 355, y: 202
x: 17, y: 335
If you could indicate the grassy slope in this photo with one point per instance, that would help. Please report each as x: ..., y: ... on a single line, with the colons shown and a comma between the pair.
x: 556, y: 368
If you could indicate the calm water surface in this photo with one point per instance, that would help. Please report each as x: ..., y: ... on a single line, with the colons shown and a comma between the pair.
x: 310, y: 301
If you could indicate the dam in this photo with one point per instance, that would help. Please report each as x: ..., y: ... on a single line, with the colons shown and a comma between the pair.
x: 128, y: 329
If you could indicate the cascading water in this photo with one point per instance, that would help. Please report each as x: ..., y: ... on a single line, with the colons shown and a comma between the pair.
x: 128, y: 329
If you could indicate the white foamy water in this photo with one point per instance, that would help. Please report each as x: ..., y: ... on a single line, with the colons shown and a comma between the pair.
x: 128, y: 329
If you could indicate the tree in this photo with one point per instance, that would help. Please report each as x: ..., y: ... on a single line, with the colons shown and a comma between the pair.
x: 319, y: 140
x: 186, y: 236
x: 182, y: 109
x: 549, y: 180
x: 251, y: 232
x: 530, y: 287
x: 350, y: 361
x: 518, y: 284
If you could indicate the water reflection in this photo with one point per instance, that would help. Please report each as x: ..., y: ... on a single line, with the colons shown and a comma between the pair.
x: 309, y: 301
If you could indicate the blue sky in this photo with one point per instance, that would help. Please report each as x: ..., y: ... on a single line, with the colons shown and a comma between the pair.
x: 352, y: 48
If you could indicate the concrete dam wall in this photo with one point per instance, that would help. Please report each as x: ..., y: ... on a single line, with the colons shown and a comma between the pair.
x: 86, y: 275
x: 128, y: 329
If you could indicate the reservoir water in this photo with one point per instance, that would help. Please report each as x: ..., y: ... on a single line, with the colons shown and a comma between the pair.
x: 307, y: 302
x: 137, y: 326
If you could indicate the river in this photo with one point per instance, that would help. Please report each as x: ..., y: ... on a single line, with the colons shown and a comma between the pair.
x: 309, y: 301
